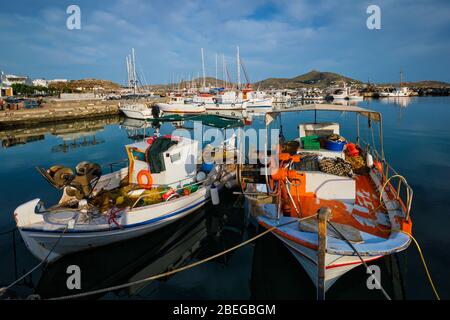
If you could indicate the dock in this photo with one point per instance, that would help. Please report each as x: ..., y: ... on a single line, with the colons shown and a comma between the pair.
x: 59, y: 110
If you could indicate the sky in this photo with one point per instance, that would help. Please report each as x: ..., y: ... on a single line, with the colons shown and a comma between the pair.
x: 277, y: 38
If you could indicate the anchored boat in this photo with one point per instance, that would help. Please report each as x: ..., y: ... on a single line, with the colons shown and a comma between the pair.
x: 161, y: 184
x: 333, y: 203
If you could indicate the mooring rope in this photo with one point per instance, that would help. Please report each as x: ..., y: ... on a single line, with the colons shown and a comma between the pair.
x: 362, y: 260
x: 169, y: 273
x: 4, y: 289
x: 424, y: 263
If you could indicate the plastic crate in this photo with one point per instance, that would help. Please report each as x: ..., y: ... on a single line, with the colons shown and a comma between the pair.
x: 311, y: 143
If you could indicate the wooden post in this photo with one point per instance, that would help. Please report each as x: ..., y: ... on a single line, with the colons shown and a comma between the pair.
x: 323, y: 216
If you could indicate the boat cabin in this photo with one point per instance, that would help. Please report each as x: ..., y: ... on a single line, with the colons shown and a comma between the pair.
x: 162, y: 161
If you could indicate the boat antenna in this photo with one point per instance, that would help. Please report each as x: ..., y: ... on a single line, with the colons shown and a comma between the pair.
x: 216, y: 71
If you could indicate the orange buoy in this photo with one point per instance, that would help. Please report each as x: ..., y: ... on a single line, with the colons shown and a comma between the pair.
x: 378, y: 165
x: 144, y: 179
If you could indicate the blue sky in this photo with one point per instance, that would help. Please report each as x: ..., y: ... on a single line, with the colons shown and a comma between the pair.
x: 279, y: 38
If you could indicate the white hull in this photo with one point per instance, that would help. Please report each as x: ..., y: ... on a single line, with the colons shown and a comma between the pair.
x: 226, y: 106
x: 394, y: 94
x: 41, y: 237
x: 137, y: 112
x: 260, y: 103
x: 181, y: 107
x: 356, y: 98
x: 335, y: 265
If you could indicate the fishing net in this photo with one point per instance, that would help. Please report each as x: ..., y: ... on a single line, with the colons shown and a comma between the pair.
x: 336, y: 166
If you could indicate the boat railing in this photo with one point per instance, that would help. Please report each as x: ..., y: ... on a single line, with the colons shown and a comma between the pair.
x: 119, y: 163
x: 402, y: 191
x: 164, y: 191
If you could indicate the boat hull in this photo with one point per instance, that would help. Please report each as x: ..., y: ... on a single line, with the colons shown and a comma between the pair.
x: 51, y: 244
x: 335, y: 265
x: 181, y: 108
x: 137, y: 114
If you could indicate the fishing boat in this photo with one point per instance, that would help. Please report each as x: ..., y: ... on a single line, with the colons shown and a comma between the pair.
x: 333, y: 203
x: 400, y: 91
x: 160, y: 184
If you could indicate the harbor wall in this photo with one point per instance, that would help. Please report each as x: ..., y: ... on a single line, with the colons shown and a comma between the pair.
x: 59, y: 110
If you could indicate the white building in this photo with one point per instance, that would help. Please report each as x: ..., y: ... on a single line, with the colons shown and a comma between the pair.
x: 10, y: 79
x: 40, y: 83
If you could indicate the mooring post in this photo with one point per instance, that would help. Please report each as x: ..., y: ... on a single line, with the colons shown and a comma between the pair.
x: 323, y: 216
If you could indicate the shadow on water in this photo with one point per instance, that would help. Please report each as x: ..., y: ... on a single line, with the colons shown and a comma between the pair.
x: 195, y: 237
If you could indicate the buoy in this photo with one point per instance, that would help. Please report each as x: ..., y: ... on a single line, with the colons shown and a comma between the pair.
x: 379, y: 166
x: 214, y: 195
x: 144, y: 179
x: 369, y: 160
x: 200, y: 176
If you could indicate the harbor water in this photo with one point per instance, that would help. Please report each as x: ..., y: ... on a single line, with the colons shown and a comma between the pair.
x: 416, y: 144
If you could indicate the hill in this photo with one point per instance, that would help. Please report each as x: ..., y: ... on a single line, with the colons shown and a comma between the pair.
x: 313, y: 78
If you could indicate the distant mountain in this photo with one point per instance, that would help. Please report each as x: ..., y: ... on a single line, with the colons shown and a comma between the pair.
x: 85, y: 85
x: 313, y: 78
x: 422, y: 84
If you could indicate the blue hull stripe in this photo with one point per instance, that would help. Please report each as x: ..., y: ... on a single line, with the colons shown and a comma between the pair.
x: 124, y: 227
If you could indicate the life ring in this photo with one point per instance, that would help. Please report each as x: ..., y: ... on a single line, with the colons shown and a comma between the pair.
x: 148, y: 184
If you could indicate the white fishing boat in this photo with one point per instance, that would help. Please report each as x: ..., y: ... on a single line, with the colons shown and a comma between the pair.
x: 396, y: 93
x: 181, y: 107
x: 137, y: 111
x: 334, y: 205
x: 399, y: 92
x: 161, y: 184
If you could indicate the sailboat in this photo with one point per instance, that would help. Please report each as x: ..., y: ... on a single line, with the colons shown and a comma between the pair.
x: 135, y: 110
x: 333, y: 203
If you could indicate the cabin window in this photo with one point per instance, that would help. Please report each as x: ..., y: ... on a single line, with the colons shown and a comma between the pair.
x: 175, y: 157
x: 138, y: 155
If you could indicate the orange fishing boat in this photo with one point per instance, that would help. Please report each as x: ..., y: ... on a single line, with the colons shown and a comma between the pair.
x: 334, y: 204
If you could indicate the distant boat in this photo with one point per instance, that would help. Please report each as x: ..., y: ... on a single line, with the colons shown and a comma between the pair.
x: 181, y: 105
x: 137, y: 111
x: 401, y: 91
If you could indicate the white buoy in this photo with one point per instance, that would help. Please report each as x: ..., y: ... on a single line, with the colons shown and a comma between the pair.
x: 200, y: 176
x: 369, y: 160
x: 214, y: 195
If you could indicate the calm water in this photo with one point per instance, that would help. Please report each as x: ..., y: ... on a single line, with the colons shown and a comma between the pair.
x: 416, y: 141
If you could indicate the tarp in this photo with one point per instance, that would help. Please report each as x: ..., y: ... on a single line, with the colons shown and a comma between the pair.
x: 155, y: 153
x: 373, y: 115
x: 211, y: 120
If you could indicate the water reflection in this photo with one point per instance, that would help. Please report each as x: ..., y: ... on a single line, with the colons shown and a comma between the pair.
x: 74, y: 134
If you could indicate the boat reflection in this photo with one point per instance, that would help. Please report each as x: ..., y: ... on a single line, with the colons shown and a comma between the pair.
x: 192, y: 238
x: 402, y: 102
x: 74, y: 134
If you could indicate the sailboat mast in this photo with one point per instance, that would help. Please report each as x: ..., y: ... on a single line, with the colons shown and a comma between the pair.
x: 401, y: 77
x: 216, y: 71
x: 203, y: 68
x: 134, y: 70
x: 224, y: 70
x: 238, y: 65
